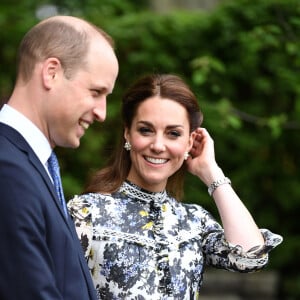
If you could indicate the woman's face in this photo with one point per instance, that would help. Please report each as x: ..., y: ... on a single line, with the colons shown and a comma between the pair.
x: 159, y: 137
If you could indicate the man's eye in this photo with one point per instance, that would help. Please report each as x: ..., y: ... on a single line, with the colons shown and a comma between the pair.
x: 95, y: 93
x: 98, y: 92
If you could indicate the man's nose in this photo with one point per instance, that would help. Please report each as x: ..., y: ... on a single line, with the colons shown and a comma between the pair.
x: 100, y: 110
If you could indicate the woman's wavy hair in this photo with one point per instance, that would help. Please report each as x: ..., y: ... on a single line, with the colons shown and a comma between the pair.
x: 166, y: 86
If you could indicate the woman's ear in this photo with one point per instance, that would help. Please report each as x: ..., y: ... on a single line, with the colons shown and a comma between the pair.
x: 126, y: 133
x: 191, y: 140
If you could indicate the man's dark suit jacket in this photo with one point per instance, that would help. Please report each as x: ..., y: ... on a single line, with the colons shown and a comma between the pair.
x: 40, y: 255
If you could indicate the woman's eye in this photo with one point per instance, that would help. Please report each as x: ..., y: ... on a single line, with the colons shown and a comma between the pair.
x: 174, y: 133
x: 145, y: 130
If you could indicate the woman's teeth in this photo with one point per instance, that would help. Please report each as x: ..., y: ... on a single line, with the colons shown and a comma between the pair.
x: 156, y: 160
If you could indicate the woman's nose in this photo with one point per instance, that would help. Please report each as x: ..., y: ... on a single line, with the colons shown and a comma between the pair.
x: 158, y: 145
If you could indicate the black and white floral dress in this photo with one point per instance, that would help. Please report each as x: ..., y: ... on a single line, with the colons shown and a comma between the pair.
x: 143, y: 245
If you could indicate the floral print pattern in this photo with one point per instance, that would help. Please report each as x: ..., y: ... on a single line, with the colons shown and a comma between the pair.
x: 142, y: 245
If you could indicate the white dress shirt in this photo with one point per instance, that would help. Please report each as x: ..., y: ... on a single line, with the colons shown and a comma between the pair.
x: 31, y: 133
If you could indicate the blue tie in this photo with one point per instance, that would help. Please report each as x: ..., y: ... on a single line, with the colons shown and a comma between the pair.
x: 53, y: 168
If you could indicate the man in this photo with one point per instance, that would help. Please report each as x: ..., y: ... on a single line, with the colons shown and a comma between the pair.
x: 66, y: 69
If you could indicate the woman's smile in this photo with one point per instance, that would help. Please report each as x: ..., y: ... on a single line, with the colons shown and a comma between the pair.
x: 156, y: 161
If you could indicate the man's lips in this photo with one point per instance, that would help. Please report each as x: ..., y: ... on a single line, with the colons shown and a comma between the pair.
x: 84, y: 124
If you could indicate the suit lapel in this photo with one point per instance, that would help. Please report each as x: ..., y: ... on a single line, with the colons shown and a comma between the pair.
x: 17, y: 139
x: 41, y: 169
x: 37, y: 164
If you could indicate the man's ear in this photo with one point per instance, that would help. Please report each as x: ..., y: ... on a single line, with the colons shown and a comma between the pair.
x: 50, y: 70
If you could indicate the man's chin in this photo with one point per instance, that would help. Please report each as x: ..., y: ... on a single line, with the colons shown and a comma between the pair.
x: 76, y: 145
x: 73, y: 145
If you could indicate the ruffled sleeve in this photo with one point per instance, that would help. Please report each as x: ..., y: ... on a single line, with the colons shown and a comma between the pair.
x: 80, y: 211
x: 221, y: 254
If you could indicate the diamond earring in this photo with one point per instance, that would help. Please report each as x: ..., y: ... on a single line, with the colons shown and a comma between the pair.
x: 127, y: 146
x: 186, y: 155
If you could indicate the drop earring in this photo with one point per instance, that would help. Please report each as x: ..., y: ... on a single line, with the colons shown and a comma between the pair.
x: 127, y: 146
x: 186, y: 155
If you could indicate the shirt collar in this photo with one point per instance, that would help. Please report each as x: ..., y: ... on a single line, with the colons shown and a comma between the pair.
x: 31, y: 133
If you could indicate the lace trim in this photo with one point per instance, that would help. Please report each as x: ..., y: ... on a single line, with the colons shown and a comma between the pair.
x: 133, y: 190
x: 101, y: 234
x: 104, y: 233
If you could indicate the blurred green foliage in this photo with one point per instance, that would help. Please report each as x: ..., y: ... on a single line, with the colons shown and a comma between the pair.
x: 242, y: 60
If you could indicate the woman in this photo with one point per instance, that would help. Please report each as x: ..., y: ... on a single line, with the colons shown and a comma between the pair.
x: 140, y: 241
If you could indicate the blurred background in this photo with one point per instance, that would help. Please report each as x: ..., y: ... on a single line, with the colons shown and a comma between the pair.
x: 242, y: 60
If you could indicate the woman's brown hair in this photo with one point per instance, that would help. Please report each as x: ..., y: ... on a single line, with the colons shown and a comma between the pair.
x: 166, y: 86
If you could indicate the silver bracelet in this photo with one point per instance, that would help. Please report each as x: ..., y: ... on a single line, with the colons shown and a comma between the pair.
x: 216, y: 184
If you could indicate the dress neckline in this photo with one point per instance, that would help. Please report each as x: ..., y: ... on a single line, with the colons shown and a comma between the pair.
x: 137, y: 192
